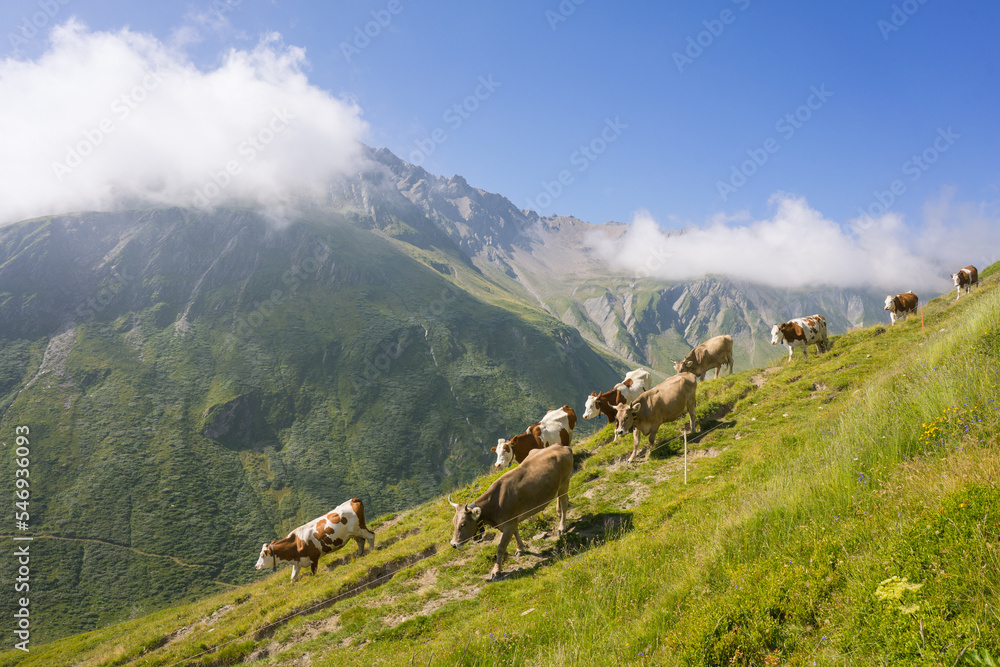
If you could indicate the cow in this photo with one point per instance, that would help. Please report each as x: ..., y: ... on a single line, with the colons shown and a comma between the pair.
x: 627, y: 390
x: 802, y: 331
x: 967, y: 278
x: 901, y: 305
x: 555, y: 428
x: 713, y: 353
x: 664, y: 403
x: 520, y: 493
x: 324, y: 534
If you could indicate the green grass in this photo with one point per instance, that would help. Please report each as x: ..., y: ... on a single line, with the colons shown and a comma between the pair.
x: 840, y: 510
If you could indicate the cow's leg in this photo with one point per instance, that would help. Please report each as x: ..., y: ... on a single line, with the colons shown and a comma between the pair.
x: 361, y: 546
x: 635, y: 444
x: 652, y: 439
x: 520, y: 545
x: 562, y: 507
x: 692, y: 406
x: 718, y: 370
x: 295, y: 570
x: 501, y: 549
x: 315, y: 564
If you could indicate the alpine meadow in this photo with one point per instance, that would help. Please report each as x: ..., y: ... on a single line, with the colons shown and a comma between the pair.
x: 383, y: 333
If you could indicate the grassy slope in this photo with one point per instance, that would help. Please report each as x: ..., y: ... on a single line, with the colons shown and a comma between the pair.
x: 825, y: 495
x: 367, y: 374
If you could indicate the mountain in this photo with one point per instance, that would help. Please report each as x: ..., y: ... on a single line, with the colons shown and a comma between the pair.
x: 551, y: 261
x: 197, y: 382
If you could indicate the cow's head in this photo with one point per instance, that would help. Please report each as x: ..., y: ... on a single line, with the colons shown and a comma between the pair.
x: 266, y: 559
x: 504, y: 452
x: 776, y: 334
x: 889, y: 301
x: 593, y: 406
x: 466, y: 522
x: 954, y: 278
x: 683, y: 366
x: 625, y: 415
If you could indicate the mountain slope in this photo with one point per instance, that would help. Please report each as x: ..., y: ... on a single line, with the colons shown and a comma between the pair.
x: 551, y: 261
x: 195, y: 384
x: 837, y: 510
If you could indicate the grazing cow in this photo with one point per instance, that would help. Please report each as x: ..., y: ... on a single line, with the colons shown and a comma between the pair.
x: 713, y: 353
x: 555, y: 428
x: 664, y: 403
x: 516, y: 495
x: 603, y: 404
x: 967, y: 278
x: 802, y: 331
x: 327, y: 533
x: 901, y: 305
x: 628, y: 390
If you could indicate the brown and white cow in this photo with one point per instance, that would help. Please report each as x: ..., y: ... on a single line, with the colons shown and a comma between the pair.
x: 555, y: 428
x: 627, y: 390
x: 713, y: 353
x: 967, y: 278
x: 516, y: 495
x: 901, y: 305
x: 802, y: 331
x: 666, y: 402
x: 324, y: 534
x: 603, y: 404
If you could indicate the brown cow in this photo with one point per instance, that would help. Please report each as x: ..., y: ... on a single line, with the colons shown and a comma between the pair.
x: 516, y: 495
x: 901, y: 305
x: 967, y: 278
x: 664, y: 403
x: 713, y: 353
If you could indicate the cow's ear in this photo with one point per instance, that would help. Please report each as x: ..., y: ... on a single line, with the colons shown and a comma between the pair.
x: 634, y: 408
x: 493, y: 449
x: 476, y: 511
x: 688, y: 364
x: 594, y: 394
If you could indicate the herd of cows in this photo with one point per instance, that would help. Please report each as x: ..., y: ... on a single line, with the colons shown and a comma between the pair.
x: 543, y: 454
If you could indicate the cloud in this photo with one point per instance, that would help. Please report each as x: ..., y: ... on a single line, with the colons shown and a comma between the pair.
x: 103, y: 120
x: 798, y: 247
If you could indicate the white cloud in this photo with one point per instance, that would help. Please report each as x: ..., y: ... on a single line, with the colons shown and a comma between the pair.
x: 799, y: 247
x: 102, y: 120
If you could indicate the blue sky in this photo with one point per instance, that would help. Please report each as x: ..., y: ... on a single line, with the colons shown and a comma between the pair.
x: 674, y: 100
